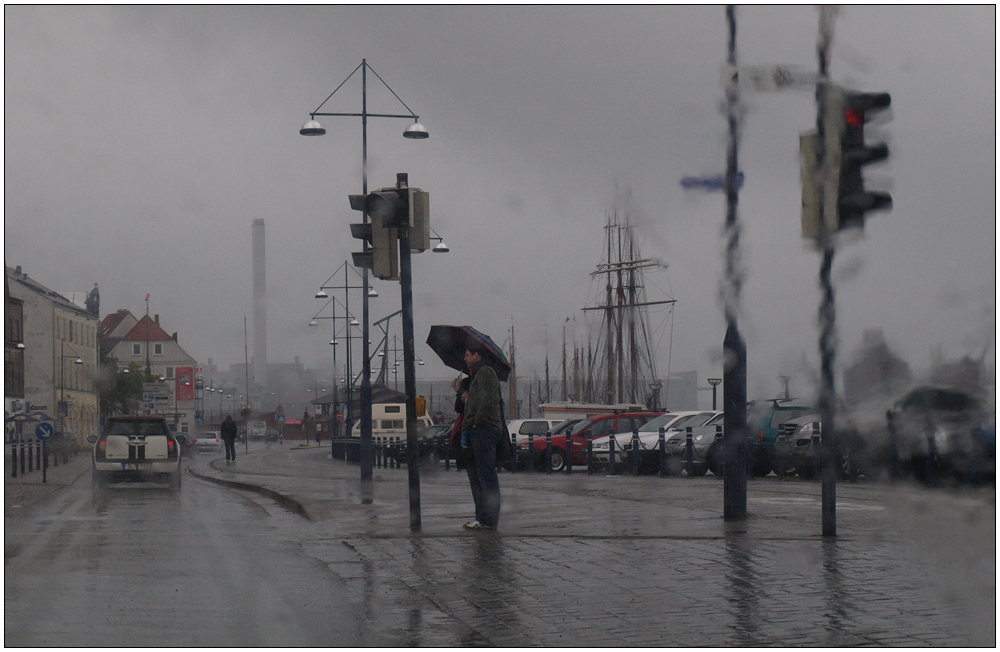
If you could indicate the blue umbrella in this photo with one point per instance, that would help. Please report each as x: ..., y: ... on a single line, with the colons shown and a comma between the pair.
x: 451, y: 342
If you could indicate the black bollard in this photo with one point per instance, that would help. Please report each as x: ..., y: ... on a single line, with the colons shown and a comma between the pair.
x: 548, y: 452
x: 590, y: 454
x: 513, y: 453
x: 931, y: 472
x: 690, y: 452
x: 31, y: 462
x: 893, y: 449
x: 663, y: 452
x: 635, y: 452
x: 611, y: 455
x: 531, y: 453
x: 21, y: 443
x: 45, y: 462
x: 13, y: 459
x: 718, y: 448
x: 447, y: 453
x: 569, y: 454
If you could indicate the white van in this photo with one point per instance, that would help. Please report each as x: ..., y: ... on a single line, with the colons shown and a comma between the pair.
x: 389, y: 422
x: 521, y: 428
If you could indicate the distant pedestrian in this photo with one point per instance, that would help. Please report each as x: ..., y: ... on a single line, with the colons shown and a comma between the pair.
x: 482, y: 427
x: 229, y: 438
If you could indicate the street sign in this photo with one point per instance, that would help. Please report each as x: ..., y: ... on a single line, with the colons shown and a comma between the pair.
x: 280, y: 418
x: 763, y: 79
x: 31, y: 407
x: 44, y: 431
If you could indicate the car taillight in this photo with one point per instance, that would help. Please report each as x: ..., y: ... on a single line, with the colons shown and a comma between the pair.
x: 171, y: 448
x: 760, y: 436
x: 101, y: 452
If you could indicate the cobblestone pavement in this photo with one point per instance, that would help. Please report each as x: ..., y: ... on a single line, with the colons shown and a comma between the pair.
x: 622, y: 561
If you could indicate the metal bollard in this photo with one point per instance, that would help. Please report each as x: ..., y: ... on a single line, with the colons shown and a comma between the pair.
x: 816, y: 441
x: 931, y: 472
x: 447, y: 453
x: 718, y: 450
x: 21, y: 442
x: 513, y: 453
x: 662, y: 440
x: 13, y: 459
x: 548, y: 452
x: 690, y: 452
x: 569, y: 454
x: 45, y: 462
x: 590, y: 454
x: 893, y: 449
x: 635, y: 452
x: 611, y: 455
x: 531, y: 453
x: 31, y: 463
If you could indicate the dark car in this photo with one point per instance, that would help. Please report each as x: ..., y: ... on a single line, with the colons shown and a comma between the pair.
x: 594, y: 427
x: 764, y: 419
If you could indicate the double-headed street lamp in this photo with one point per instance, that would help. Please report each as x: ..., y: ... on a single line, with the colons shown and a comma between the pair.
x: 351, y: 321
x: 415, y: 131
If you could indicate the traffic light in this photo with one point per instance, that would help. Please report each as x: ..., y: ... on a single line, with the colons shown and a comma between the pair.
x: 383, y: 256
x: 853, y: 201
x: 399, y: 207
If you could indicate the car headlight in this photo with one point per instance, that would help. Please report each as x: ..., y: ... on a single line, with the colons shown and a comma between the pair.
x: 805, y: 429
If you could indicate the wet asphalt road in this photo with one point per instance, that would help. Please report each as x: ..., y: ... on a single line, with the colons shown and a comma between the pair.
x: 144, y: 567
x: 581, y: 561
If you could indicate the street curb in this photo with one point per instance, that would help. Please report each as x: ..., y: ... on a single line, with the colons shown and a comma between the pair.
x: 280, y: 498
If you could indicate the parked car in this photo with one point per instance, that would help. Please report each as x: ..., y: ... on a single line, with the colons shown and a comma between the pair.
x: 649, y: 438
x: 521, y: 428
x: 595, y: 427
x: 136, y: 448
x: 764, y: 419
x: 209, y: 441
x: 270, y: 434
x: 703, y: 437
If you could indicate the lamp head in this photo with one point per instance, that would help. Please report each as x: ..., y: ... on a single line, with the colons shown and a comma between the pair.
x: 416, y: 130
x: 322, y: 295
x: 441, y: 248
x: 313, y: 322
x: 312, y: 128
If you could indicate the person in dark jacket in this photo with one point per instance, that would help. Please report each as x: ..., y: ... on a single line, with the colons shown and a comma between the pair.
x: 482, y: 427
x: 229, y: 438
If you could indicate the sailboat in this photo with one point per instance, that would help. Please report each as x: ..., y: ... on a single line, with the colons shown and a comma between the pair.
x: 622, y: 366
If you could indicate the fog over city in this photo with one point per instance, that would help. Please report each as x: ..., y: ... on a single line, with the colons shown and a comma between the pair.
x: 142, y: 142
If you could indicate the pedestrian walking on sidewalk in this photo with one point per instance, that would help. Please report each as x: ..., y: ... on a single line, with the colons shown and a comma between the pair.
x: 229, y: 438
x: 482, y: 426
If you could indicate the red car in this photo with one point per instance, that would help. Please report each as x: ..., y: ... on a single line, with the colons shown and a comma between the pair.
x: 597, y: 426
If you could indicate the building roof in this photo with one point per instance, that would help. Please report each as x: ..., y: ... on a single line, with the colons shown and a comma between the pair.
x: 147, y: 329
x: 53, y: 296
x: 110, y: 323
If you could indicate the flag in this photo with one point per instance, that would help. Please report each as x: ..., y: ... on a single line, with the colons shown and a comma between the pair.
x: 147, y: 296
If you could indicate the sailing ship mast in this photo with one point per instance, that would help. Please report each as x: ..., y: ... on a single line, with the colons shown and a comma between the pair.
x: 626, y: 368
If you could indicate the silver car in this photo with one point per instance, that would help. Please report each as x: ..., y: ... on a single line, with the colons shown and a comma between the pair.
x: 209, y: 442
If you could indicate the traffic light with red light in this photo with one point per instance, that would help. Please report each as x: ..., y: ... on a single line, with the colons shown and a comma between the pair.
x: 853, y: 201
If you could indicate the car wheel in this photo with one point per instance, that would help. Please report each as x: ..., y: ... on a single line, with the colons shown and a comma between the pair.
x: 761, y: 468
x: 805, y: 471
x: 558, y: 459
x: 699, y: 470
x: 712, y: 461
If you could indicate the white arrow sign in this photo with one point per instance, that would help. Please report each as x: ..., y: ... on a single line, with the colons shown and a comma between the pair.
x: 762, y: 79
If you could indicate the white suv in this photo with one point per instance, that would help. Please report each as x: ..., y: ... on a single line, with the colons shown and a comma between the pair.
x: 137, y: 448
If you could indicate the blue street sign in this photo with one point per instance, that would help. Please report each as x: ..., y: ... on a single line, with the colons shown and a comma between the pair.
x: 44, y: 431
x: 718, y: 182
x: 280, y: 418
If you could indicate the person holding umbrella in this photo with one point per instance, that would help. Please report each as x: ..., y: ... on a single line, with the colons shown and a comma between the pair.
x: 483, y: 426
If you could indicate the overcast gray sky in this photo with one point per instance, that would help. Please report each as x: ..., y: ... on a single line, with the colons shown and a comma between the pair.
x: 141, y: 142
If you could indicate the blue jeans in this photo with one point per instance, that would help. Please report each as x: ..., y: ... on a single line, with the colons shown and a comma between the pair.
x: 485, y: 483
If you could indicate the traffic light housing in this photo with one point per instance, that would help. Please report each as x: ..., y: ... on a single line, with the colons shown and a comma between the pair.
x: 383, y: 255
x: 403, y: 207
x: 834, y: 197
x: 853, y: 201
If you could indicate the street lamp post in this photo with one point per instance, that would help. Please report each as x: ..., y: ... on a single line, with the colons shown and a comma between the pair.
x: 714, y: 382
x: 415, y: 131
x: 63, y: 408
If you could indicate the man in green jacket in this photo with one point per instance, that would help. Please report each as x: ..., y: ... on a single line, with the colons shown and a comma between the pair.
x: 482, y: 424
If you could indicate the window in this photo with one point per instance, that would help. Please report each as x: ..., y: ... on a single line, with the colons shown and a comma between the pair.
x: 169, y: 372
x: 389, y: 409
x: 158, y: 350
x: 137, y: 349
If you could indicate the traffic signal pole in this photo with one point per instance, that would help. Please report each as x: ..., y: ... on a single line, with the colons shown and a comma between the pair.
x: 734, y: 378
x: 409, y: 372
x: 827, y: 310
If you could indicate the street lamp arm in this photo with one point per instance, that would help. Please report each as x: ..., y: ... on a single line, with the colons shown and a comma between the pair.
x: 370, y: 115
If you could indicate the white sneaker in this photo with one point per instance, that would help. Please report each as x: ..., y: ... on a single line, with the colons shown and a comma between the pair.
x: 471, y: 525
